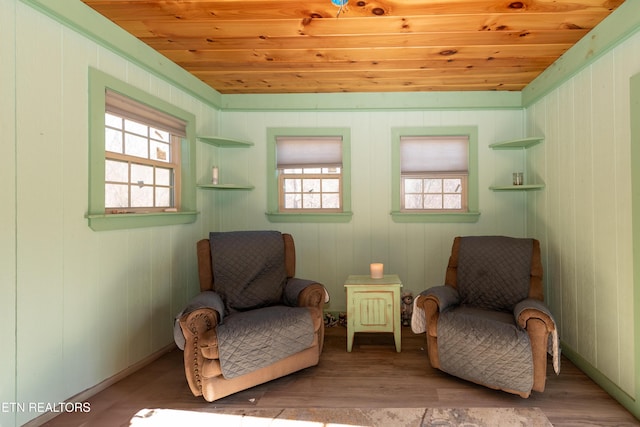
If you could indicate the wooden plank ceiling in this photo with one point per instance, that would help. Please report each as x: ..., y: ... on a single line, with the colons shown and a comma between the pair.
x: 314, y: 46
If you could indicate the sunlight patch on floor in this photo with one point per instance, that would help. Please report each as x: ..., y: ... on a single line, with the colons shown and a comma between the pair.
x: 174, y: 417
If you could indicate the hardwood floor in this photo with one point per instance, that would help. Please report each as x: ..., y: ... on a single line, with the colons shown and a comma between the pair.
x: 373, y: 375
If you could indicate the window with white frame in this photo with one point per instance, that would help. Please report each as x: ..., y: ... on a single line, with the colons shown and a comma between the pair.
x: 309, y: 172
x: 142, y: 157
x: 434, y: 173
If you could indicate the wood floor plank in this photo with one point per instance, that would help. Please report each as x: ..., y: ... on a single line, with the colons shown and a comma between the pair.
x: 372, y: 375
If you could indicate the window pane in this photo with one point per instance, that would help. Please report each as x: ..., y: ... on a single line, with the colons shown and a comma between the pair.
x: 136, y: 146
x: 297, y: 171
x: 141, y: 197
x: 311, y: 201
x: 433, y: 185
x: 311, y: 185
x: 452, y: 201
x: 163, y: 197
x: 160, y: 135
x: 135, y: 127
x: 163, y: 176
x: 452, y: 186
x: 312, y: 170
x: 292, y: 201
x: 116, y: 171
x: 331, y: 201
x: 160, y: 151
x: 141, y: 174
x: 112, y: 121
x: 292, y: 185
x: 412, y: 185
x: 113, y: 140
x: 330, y: 185
x: 433, y: 201
x: 116, y: 196
x: 335, y: 170
x: 413, y: 201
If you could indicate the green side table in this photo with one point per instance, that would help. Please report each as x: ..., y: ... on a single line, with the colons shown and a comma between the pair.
x: 373, y: 305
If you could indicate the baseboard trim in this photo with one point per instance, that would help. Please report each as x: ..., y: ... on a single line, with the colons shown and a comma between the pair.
x: 625, y: 399
x: 86, y: 394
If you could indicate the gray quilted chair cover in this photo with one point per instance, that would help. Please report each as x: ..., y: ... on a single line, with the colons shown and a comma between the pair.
x: 479, y: 340
x: 494, y: 271
x: 258, y: 338
x: 257, y: 330
x: 249, y: 268
x: 485, y: 347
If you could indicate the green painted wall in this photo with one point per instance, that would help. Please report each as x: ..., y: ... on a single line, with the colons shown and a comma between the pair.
x: 585, y: 217
x: 8, y: 211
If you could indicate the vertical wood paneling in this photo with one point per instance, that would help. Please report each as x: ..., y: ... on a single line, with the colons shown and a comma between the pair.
x: 588, y: 211
x: 625, y: 64
x: 138, y: 297
x: 584, y: 217
x: 39, y: 190
x: 605, y: 210
x: 8, y: 210
x: 79, y: 247
x: 566, y: 283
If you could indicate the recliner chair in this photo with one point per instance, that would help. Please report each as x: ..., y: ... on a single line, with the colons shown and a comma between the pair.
x: 253, y: 320
x: 488, y: 323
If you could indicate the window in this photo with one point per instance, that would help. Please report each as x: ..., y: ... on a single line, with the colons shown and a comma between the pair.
x: 141, y: 158
x: 309, y: 172
x: 435, y: 175
x: 434, y: 172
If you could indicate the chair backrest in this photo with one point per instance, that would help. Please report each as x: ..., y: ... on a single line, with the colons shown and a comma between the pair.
x: 495, y: 272
x: 205, y: 265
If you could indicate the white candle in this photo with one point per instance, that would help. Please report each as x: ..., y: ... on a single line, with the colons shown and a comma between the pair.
x: 214, y: 175
x: 377, y: 270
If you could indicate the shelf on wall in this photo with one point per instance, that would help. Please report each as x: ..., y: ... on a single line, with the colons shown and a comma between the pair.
x: 224, y: 142
x: 528, y: 187
x: 225, y: 187
x: 513, y: 144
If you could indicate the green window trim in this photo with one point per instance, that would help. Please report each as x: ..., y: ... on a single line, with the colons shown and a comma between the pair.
x: 98, y: 220
x: 473, y: 213
x: 273, y: 215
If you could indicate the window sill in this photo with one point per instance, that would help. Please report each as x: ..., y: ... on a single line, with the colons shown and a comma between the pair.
x: 453, y: 217
x: 310, y: 217
x: 104, y: 222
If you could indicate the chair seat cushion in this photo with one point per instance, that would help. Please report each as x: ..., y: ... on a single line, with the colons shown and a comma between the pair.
x: 485, y: 347
x: 254, y: 339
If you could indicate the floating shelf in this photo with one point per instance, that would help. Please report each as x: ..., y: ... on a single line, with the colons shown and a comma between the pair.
x: 529, y: 187
x: 225, y: 142
x: 225, y: 187
x: 515, y: 144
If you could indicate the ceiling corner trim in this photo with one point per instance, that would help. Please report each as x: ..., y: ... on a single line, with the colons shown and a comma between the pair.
x: 620, y: 25
x: 374, y: 101
x: 81, y: 18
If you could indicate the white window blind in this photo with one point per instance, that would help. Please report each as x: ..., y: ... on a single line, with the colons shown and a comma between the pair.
x: 124, y: 106
x: 434, y: 154
x: 306, y: 152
